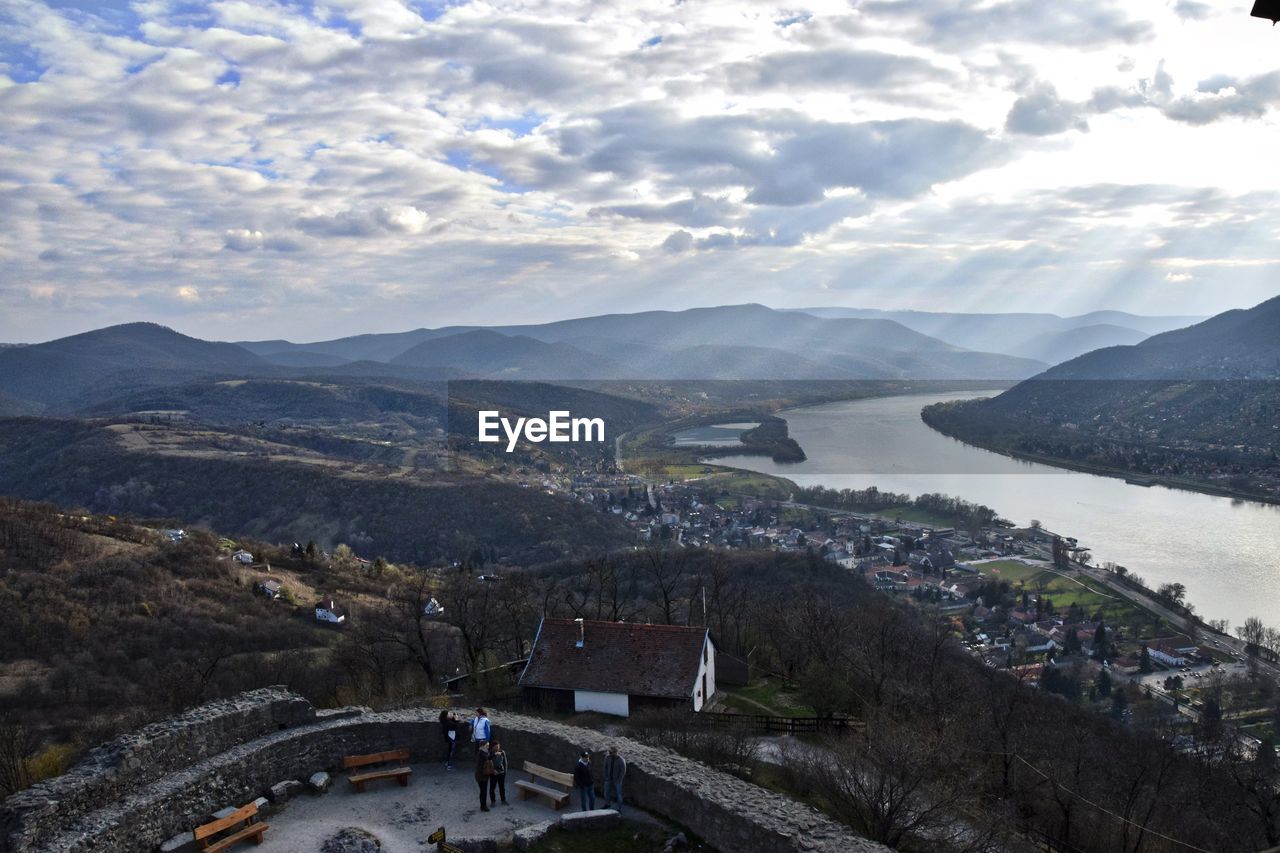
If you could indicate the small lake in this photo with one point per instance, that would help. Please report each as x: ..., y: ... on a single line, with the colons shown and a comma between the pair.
x: 718, y: 435
x: 1226, y: 552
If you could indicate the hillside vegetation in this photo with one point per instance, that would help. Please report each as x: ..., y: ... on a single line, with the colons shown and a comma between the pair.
x: 1197, y: 407
x: 945, y: 754
x: 422, y: 520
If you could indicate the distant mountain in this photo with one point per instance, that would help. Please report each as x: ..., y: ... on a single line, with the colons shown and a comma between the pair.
x: 369, y: 347
x: 1240, y: 344
x: 736, y: 341
x: 1020, y: 334
x: 131, y: 355
x: 304, y: 358
x: 1063, y: 346
x: 489, y: 354
x: 1196, y: 406
x: 749, y: 342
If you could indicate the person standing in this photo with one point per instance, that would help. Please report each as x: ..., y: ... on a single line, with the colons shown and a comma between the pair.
x: 585, y: 781
x: 498, y: 781
x: 484, y: 770
x: 449, y: 731
x: 615, y: 769
x: 481, y: 730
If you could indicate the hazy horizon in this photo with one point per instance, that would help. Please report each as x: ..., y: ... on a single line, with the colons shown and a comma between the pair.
x: 256, y: 170
x: 194, y: 330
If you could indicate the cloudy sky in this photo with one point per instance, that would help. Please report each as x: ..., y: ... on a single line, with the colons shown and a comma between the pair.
x: 311, y: 169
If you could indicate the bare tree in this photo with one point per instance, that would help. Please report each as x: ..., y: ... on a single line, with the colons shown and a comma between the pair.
x: 665, y: 567
x: 894, y: 783
x: 17, y: 743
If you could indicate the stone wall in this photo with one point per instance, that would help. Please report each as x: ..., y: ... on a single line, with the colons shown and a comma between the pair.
x: 117, y: 769
x: 146, y: 787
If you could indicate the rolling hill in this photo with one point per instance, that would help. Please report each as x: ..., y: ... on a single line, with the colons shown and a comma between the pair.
x: 490, y: 354
x: 727, y: 342
x: 1057, y: 347
x: 1044, y: 337
x: 133, y: 355
x: 1197, y: 407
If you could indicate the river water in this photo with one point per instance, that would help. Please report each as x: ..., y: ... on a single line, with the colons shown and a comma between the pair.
x: 1226, y: 552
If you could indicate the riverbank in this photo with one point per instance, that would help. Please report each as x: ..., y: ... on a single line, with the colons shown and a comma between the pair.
x: 932, y: 417
x: 1220, y: 548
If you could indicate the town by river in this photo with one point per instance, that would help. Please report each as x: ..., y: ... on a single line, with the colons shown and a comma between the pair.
x: 1226, y: 552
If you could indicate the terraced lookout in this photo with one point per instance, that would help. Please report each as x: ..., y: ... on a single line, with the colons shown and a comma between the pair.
x: 147, y: 790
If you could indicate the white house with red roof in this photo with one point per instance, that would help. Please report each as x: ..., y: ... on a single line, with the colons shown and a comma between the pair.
x: 328, y: 610
x: 619, y: 667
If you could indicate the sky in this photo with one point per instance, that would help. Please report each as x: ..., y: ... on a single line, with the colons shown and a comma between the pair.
x: 244, y: 170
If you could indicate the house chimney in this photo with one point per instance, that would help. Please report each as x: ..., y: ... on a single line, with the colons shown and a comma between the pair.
x: 582, y: 633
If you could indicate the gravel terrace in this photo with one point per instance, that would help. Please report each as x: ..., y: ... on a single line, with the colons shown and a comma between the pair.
x: 402, y: 818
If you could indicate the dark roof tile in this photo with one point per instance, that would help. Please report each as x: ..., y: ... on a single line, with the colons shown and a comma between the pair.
x: 617, y: 657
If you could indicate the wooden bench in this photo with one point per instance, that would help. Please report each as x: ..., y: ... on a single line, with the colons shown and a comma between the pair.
x: 532, y: 787
x: 401, y: 774
x: 251, y: 829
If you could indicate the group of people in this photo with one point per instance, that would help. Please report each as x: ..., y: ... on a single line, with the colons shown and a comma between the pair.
x: 491, y: 764
x: 491, y: 761
x: 584, y: 779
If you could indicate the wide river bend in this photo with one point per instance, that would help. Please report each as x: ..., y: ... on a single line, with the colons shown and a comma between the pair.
x: 1226, y: 552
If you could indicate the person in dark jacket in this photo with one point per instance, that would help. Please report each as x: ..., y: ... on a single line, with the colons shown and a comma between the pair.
x: 449, y: 731
x: 615, y: 768
x: 484, y: 770
x: 585, y: 781
x: 498, y: 781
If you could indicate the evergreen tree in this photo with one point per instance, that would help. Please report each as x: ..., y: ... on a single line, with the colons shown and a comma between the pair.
x: 1144, y: 660
x: 1119, y: 703
x: 1211, y: 720
x: 1100, y: 642
x: 1266, y: 756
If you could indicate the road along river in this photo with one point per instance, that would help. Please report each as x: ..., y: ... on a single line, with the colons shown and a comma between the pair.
x: 1226, y: 552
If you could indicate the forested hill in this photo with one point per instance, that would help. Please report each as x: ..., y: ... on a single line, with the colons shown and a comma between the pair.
x: 108, y: 624
x: 1197, y: 407
x: 73, y: 463
x: 129, y: 356
x: 1240, y: 344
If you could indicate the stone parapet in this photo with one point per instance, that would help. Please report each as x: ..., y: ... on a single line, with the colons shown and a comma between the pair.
x: 148, y: 786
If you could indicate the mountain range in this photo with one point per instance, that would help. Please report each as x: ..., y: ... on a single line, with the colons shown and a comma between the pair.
x: 751, y: 342
x: 1200, y: 404
x: 78, y: 373
x: 728, y: 342
x: 1043, y: 337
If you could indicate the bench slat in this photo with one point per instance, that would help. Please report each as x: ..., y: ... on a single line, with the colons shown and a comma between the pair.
x: 214, y: 827
x: 379, y: 774
x: 350, y: 761
x: 253, y: 830
x: 544, y: 791
x: 550, y: 775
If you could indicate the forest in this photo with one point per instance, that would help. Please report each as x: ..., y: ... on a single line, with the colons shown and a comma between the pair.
x: 113, y: 627
x: 965, y: 515
x: 74, y: 463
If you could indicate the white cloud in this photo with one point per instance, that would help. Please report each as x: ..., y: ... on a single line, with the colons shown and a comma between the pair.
x: 292, y: 164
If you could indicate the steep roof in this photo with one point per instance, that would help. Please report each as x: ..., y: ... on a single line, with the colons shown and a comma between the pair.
x: 616, y: 657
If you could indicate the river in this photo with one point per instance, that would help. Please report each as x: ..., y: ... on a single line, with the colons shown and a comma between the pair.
x: 1226, y: 552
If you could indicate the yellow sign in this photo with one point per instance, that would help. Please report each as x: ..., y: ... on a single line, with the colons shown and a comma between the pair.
x: 436, y: 837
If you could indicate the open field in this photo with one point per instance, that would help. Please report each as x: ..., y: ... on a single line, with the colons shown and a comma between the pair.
x: 766, y: 696
x: 1066, y: 590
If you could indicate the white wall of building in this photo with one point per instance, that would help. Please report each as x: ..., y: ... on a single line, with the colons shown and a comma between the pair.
x: 326, y: 615
x: 606, y: 703
x: 707, y: 668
